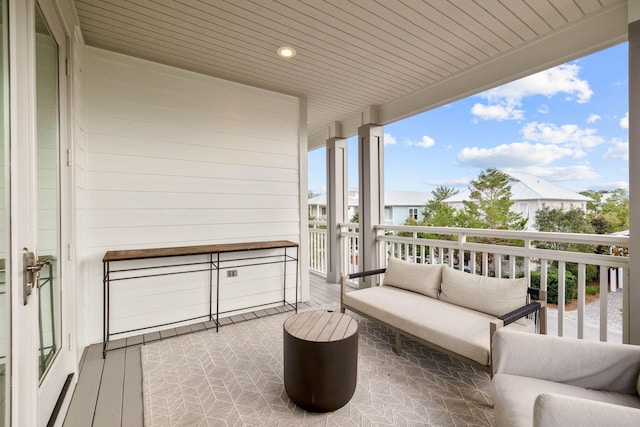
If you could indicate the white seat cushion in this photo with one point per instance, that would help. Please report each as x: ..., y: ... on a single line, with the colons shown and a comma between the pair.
x: 457, y: 329
x: 515, y: 395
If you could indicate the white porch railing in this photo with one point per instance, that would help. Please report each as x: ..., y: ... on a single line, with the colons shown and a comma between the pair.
x: 318, y: 246
x: 508, y: 253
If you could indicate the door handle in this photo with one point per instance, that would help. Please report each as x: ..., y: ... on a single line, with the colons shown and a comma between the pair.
x: 32, y: 267
x: 28, y: 262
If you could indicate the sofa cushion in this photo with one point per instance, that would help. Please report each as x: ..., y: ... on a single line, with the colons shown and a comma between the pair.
x: 560, y: 410
x: 514, y: 397
x: 457, y: 329
x: 486, y: 294
x: 422, y: 278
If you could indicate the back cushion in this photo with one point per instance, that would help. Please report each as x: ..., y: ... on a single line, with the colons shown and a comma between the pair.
x: 486, y: 294
x: 421, y: 278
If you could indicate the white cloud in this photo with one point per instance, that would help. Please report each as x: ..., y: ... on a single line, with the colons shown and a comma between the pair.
x: 543, y: 109
x: 571, y: 135
x: 497, y: 112
x: 624, y: 122
x: 425, y: 142
x: 503, y: 101
x: 618, y: 150
x: 593, y: 118
x: 560, y: 79
x: 389, y: 139
x: 561, y: 173
x: 517, y: 154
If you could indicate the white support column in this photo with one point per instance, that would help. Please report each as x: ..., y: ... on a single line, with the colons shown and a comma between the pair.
x: 371, y: 194
x: 337, y: 200
x: 631, y: 316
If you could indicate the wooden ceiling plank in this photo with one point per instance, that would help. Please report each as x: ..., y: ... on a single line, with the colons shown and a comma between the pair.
x: 336, y: 54
x: 382, y: 77
x: 588, y: 6
x: 355, y: 39
x: 503, y: 14
x: 568, y: 8
x: 548, y: 12
x: 468, y: 15
x: 522, y: 10
x: 489, y: 20
x: 394, y: 23
x: 250, y: 63
x: 365, y: 24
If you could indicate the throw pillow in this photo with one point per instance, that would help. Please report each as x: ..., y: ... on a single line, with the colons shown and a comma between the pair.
x: 489, y: 295
x: 421, y: 278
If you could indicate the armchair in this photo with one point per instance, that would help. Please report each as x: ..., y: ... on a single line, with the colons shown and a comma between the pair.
x: 542, y: 380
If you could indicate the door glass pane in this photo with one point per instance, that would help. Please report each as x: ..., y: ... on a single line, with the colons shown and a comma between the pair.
x: 4, y: 222
x: 48, y: 183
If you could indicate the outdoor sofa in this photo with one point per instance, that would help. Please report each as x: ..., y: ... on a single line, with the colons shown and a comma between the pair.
x: 551, y: 381
x: 447, y: 309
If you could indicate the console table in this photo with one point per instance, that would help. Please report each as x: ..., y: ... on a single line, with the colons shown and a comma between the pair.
x: 213, y: 265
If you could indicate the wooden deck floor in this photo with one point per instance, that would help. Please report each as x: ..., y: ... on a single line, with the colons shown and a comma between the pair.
x: 109, y: 391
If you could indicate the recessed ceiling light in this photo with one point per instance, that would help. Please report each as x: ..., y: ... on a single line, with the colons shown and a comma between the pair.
x: 286, y: 52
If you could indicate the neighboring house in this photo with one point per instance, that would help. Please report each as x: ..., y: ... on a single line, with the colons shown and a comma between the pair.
x: 398, y: 206
x: 529, y: 194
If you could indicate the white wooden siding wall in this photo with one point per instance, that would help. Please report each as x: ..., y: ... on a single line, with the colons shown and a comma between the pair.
x: 80, y: 189
x: 175, y: 158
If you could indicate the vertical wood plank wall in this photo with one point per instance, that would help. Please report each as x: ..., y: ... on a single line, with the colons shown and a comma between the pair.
x: 175, y: 158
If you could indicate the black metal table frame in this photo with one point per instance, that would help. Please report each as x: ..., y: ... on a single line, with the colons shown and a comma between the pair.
x: 211, y: 265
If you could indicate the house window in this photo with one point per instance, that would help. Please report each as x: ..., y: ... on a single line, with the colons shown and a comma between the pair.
x: 323, y: 211
x: 413, y: 213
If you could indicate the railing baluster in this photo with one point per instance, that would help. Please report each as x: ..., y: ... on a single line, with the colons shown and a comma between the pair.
x: 604, y: 295
x: 561, y: 300
x: 581, y: 298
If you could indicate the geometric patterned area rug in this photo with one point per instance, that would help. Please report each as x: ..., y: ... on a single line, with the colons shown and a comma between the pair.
x: 234, y: 378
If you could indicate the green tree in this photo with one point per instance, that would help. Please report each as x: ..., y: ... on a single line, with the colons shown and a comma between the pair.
x: 557, y: 220
x: 615, y: 210
x: 311, y: 194
x: 594, y: 206
x: 490, y: 204
x: 436, y: 212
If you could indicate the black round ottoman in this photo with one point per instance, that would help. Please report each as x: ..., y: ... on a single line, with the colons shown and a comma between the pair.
x: 320, y: 359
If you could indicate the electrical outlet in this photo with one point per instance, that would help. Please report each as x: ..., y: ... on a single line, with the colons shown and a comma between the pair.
x: 232, y: 273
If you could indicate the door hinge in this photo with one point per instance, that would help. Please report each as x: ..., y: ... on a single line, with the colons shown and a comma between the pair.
x: 69, y: 341
x: 67, y: 66
x: 69, y: 257
x: 68, y: 157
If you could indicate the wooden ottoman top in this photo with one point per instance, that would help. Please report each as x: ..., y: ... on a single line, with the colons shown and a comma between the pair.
x: 320, y: 326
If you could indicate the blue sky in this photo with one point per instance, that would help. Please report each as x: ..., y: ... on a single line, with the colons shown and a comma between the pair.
x: 567, y: 125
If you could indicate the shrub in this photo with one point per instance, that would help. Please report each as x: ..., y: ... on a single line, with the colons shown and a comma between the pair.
x: 591, y: 271
x: 571, y: 285
x: 592, y: 290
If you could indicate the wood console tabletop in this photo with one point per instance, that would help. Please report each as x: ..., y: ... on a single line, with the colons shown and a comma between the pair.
x: 132, y: 254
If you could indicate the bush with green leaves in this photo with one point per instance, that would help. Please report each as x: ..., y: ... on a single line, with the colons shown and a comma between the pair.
x: 591, y: 271
x: 570, y: 290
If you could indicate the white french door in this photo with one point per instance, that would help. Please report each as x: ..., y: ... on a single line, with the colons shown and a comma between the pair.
x: 41, y: 356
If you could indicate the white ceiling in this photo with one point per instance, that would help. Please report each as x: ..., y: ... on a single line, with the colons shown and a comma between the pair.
x: 403, y: 56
